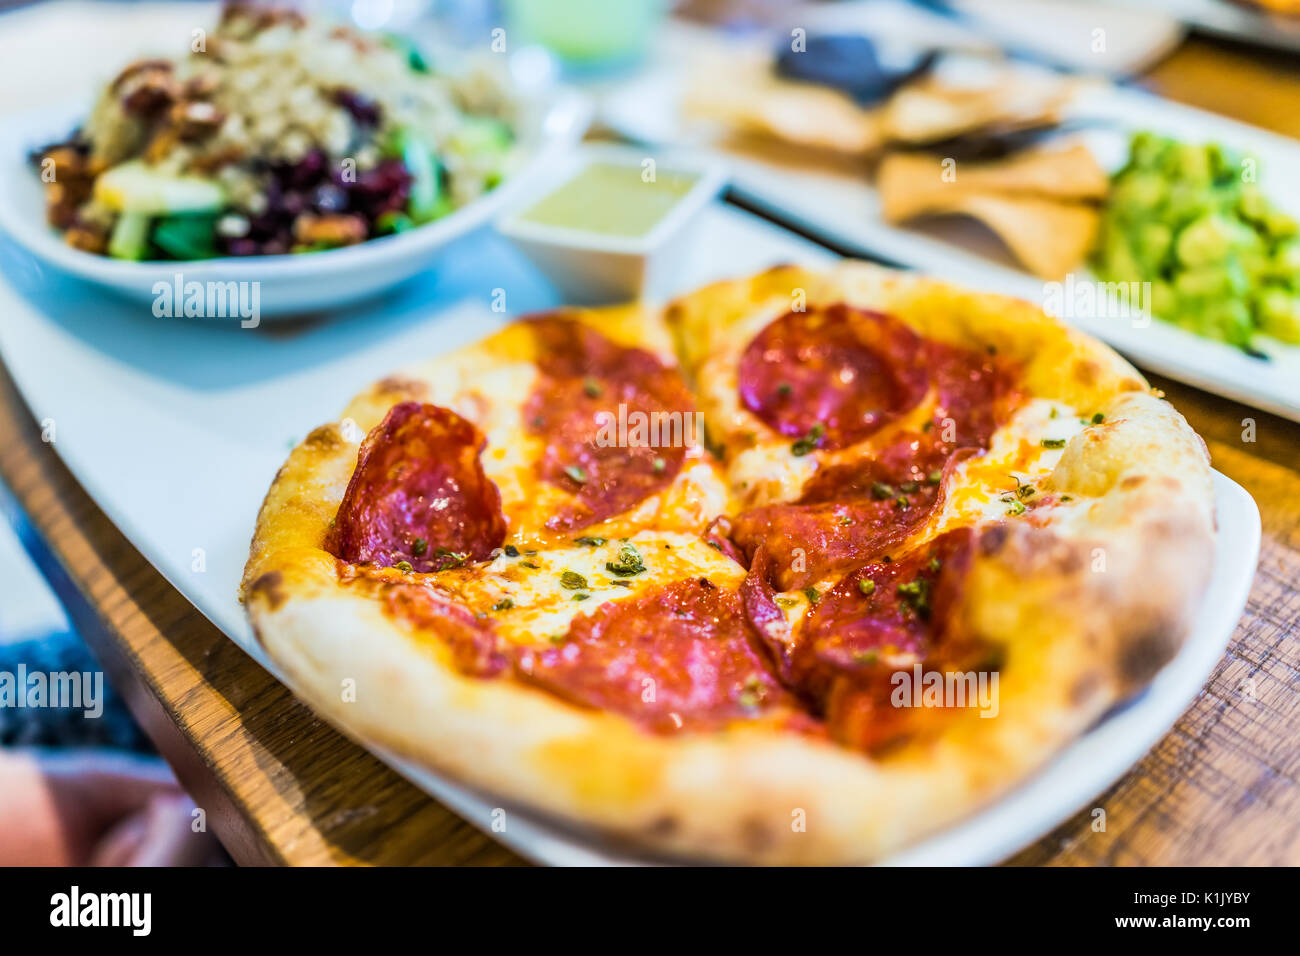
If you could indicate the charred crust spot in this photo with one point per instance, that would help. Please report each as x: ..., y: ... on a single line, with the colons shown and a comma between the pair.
x: 1143, y: 655
x: 269, y: 587
x: 664, y: 826
x: 1084, y: 687
x: 395, y: 385
x: 326, y: 437
x: 1085, y: 372
x: 993, y: 538
x: 755, y: 834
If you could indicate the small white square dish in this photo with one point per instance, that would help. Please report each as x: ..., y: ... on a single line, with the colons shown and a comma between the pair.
x: 609, y: 223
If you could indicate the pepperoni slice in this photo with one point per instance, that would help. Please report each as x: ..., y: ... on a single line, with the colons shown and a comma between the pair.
x: 675, y: 658
x: 839, y: 658
x: 839, y: 372
x: 850, y: 512
x: 615, y: 421
x: 475, y: 647
x: 848, y: 515
x: 419, y: 494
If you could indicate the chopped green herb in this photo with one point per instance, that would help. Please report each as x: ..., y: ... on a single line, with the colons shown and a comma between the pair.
x: 934, y: 477
x: 621, y: 584
x: 589, y: 541
x: 592, y: 388
x: 1024, y: 491
x: 901, y: 503
x: 1098, y: 418
x: 581, y: 596
x: 867, y: 586
x: 629, y: 562
x: 786, y: 602
x: 916, y: 596
x: 511, y: 551
x: 1015, y: 507
x: 865, y: 657
x: 576, y: 473
x: 881, y: 491
x: 810, y: 441
x: 504, y: 604
x: 812, y: 594
x: 927, y: 426
x: 1052, y: 413
x: 1053, y: 442
x: 558, y: 638
x: 784, y: 389
x: 845, y: 521
x: 404, y: 566
x: 419, y: 546
x: 908, y: 487
x: 659, y: 464
x: 572, y: 580
x: 529, y: 564
x: 449, y: 559
x: 935, y: 565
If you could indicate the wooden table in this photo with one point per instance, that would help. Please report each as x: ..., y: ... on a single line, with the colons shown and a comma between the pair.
x: 279, y: 786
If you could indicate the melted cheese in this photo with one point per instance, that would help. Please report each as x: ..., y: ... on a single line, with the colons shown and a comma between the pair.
x: 996, y: 485
x: 540, y: 593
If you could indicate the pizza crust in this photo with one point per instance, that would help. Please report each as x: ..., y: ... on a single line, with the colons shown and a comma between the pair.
x: 1087, y: 607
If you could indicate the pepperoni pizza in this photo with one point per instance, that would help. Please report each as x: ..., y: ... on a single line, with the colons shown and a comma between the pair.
x: 798, y: 569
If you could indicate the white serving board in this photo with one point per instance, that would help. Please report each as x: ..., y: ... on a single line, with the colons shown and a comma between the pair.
x: 841, y: 205
x: 176, y: 427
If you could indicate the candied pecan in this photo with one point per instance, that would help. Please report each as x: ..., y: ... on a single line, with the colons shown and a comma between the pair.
x: 333, y: 230
x: 146, y: 87
x: 83, y: 236
x: 195, y: 119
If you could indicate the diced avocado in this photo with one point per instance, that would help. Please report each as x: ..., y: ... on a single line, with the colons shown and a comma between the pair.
x: 1135, y: 194
x: 130, y: 238
x: 1222, y: 260
x: 1227, y: 320
x: 1188, y: 163
x: 1208, y: 240
x: 1152, y: 242
x: 1278, y: 311
x: 1286, y: 262
x: 136, y: 187
x: 1211, y: 282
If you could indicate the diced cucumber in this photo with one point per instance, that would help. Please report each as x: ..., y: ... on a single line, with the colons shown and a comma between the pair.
x: 136, y: 187
x: 426, y: 187
x: 130, y: 238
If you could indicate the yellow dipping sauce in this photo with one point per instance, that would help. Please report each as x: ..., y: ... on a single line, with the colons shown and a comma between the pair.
x: 612, y: 199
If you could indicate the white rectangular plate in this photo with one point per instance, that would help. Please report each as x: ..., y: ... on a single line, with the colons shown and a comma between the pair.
x: 176, y: 428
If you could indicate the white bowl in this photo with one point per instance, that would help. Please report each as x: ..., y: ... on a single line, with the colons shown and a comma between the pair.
x: 284, y: 284
x: 593, y: 267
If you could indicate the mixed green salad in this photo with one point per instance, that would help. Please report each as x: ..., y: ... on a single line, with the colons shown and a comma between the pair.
x: 1222, y: 260
x: 282, y: 134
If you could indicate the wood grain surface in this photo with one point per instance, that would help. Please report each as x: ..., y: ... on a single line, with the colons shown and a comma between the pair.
x: 281, y: 787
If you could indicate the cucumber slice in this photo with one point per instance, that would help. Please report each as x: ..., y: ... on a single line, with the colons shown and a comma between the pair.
x: 135, y: 187
x: 426, y: 188
x: 130, y: 238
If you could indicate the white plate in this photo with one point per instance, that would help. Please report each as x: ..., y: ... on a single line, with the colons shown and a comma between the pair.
x: 845, y: 208
x: 177, y: 428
